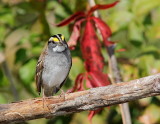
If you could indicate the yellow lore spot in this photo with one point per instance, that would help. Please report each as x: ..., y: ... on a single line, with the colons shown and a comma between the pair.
x: 55, y: 39
x: 62, y: 37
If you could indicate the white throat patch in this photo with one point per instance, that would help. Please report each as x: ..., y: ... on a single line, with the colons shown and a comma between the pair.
x: 59, y: 48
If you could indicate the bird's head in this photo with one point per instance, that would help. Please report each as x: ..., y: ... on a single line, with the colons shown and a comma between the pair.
x: 57, y: 43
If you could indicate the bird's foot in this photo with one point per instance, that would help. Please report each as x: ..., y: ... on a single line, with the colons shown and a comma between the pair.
x: 46, y: 105
x: 62, y: 95
x: 45, y: 102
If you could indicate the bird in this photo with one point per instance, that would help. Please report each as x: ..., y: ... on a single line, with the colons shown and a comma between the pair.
x: 53, y: 66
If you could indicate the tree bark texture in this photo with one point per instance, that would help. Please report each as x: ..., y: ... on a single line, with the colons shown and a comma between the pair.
x: 91, y: 99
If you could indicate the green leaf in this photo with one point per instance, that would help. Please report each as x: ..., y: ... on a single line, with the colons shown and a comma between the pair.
x: 135, y: 34
x: 120, y: 19
x: 2, y: 99
x: 77, y: 67
x: 27, y: 71
x: 21, y: 55
x: 142, y: 7
x: 153, y: 113
x: 36, y: 50
x: 3, y: 80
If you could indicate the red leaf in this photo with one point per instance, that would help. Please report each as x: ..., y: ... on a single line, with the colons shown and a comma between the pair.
x: 97, y: 79
x: 78, y: 83
x: 71, y: 18
x: 104, y: 29
x: 121, y: 50
x: 75, y: 33
x: 98, y: 6
x: 90, y: 47
x: 80, y: 86
x: 92, y: 113
x: 89, y: 83
x: 72, y: 47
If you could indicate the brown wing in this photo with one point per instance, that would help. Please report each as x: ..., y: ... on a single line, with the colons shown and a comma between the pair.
x: 39, y: 70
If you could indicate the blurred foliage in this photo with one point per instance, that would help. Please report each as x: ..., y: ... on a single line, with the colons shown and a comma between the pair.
x: 26, y: 25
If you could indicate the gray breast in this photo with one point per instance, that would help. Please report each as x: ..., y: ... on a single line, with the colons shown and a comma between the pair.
x: 56, y: 68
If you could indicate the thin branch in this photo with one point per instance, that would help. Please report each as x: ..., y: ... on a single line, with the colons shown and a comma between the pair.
x: 117, y: 78
x: 115, y: 73
x: 92, y: 3
x: 91, y: 99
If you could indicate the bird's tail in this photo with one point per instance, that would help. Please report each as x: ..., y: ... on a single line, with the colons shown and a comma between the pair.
x: 50, y: 91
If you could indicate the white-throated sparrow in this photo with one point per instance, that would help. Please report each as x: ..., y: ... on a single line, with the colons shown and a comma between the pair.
x: 53, y: 66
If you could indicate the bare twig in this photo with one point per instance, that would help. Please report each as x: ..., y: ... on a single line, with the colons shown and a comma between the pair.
x: 92, y: 3
x: 116, y: 77
x: 81, y: 101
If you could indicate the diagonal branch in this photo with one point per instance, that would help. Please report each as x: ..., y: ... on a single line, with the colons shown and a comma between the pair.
x: 91, y: 99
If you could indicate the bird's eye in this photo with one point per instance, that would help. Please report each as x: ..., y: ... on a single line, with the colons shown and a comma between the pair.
x: 49, y: 42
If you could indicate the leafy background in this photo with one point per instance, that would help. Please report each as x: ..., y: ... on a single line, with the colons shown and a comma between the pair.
x: 26, y: 25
